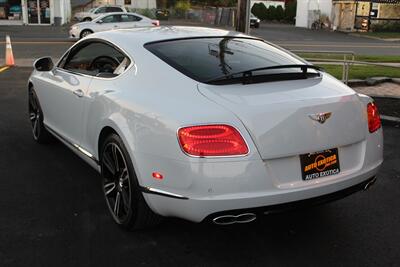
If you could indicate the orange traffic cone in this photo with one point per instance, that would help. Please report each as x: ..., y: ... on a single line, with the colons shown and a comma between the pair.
x: 9, y: 53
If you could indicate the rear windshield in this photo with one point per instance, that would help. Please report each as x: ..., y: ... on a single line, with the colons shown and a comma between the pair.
x: 204, y: 59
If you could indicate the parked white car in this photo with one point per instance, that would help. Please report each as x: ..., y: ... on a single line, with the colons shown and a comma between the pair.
x: 98, y: 11
x: 111, y: 21
x: 204, y: 124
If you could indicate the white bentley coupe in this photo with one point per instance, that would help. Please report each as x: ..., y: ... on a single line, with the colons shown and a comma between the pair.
x: 204, y: 124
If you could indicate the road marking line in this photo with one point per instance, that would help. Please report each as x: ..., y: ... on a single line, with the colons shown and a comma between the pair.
x: 390, y: 118
x: 338, y: 45
x: 4, y: 68
x: 30, y: 42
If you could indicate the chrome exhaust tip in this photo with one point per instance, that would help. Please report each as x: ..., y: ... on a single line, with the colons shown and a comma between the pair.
x: 370, y: 183
x: 231, y: 219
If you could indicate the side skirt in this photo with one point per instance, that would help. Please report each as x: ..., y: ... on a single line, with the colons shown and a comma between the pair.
x: 92, y: 161
x: 81, y: 152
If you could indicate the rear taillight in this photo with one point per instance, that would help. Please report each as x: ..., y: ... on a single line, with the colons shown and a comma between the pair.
x: 374, y: 121
x: 212, y: 141
x: 156, y: 22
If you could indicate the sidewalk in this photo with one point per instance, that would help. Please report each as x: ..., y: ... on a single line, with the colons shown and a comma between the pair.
x: 387, y: 89
x: 387, y: 97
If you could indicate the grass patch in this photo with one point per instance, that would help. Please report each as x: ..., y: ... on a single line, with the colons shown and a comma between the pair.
x: 391, y: 59
x: 383, y: 35
x: 363, y: 71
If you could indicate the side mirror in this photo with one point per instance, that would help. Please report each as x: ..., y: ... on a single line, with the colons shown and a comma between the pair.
x: 43, y: 64
x: 100, y: 21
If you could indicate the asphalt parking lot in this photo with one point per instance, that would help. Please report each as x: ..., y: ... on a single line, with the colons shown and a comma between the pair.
x: 53, y: 214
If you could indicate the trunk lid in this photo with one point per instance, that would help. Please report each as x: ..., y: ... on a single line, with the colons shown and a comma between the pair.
x: 277, y: 114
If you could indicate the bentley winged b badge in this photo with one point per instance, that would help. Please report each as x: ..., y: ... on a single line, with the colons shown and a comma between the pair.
x: 320, y: 117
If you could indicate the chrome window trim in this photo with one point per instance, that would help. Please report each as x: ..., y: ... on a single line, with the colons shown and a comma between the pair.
x: 90, y: 40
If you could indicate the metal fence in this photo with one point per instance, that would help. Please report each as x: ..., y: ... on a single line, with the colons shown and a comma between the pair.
x: 347, y: 61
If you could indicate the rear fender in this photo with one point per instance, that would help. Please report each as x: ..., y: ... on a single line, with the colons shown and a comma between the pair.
x: 119, y: 124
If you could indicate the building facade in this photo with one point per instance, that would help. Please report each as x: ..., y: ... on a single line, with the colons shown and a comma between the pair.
x: 35, y: 12
x: 81, y: 5
x: 309, y: 11
x: 348, y: 15
x: 364, y: 14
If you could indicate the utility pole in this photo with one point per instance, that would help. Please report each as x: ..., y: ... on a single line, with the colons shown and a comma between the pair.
x: 243, y: 16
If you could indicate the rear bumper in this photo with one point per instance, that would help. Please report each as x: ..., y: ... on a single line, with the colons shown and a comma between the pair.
x: 202, y: 189
x: 300, y: 203
x: 198, y: 209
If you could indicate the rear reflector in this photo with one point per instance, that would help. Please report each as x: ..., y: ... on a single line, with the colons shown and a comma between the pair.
x: 157, y: 175
x: 374, y: 121
x: 212, y: 141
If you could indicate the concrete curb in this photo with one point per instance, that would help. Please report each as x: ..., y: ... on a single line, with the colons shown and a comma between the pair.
x: 373, y: 81
x: 390, y: 118
x: 386, y: 96
x: 375, y: 38
x: 390, y: 121
x: 386, y: 119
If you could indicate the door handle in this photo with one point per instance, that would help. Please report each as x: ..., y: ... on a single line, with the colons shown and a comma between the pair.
x: 78, y: 93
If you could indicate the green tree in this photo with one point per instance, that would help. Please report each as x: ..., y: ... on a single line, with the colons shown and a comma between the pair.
x: 271, y: 13
x: 259, y: 10
x: 279, y: 13
x: 181, y: 7
x: 290, y: 11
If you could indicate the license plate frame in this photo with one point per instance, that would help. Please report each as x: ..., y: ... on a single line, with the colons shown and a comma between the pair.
x: 320, y: 164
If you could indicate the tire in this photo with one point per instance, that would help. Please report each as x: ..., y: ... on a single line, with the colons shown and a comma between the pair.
x: 87, y: 19
x: 85, y: 33
x: 121, y: 190
x: 39, y: 132
x: 257, y: 26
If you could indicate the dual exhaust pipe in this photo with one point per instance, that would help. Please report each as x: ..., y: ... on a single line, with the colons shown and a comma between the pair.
x: 370, y: 183
x: 231, y: 219
x: 249, y: 217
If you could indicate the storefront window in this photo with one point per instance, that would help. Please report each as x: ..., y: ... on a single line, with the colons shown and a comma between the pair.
x: 38, y: 11
x: 45, y: 11
x: 10, y: 10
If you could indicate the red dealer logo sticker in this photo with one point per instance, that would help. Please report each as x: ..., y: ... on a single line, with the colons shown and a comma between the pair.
x: 320, y: 164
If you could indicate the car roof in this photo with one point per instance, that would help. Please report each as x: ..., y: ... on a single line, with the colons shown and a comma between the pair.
x: 109, y: 6
x: 120, y: 13
x: 139, y: 36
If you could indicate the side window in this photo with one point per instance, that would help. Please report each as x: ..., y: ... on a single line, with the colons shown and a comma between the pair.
x: 61, y: 63
x: 111, y: 19
x: 100, y: 10
x: 96, y: 59
x: 114, y: 9
x: 135, y: 18
x: 130, y: 18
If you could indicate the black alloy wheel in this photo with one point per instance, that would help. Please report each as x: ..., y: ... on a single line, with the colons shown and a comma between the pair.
x: 85, y: 33
x: 39, y: 132
x: 116, y: 182
x: 121, y: 188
